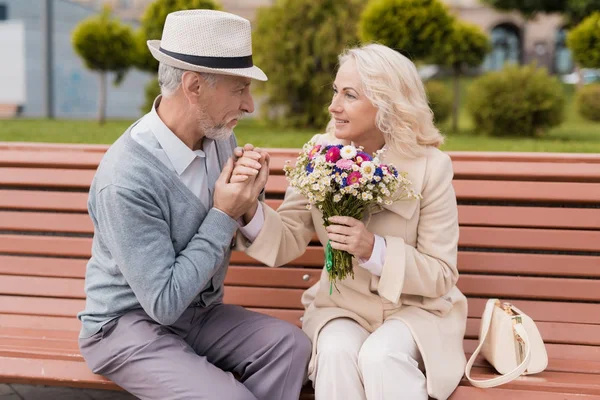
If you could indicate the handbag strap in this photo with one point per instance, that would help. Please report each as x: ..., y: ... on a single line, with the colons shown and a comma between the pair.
x: 486, y: 321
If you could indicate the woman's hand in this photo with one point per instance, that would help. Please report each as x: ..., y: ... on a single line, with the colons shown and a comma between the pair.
x: 351, y: 235
x: 249, y: 163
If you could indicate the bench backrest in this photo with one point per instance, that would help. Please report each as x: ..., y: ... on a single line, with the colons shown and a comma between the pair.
x: 529, y: 233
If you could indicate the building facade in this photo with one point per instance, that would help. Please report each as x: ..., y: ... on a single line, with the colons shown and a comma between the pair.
x: 74, y: 88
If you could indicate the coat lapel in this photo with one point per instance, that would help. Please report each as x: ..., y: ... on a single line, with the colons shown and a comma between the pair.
x: 415, y: 169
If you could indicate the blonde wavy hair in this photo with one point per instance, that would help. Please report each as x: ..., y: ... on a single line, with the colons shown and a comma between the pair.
x: 393, y: 85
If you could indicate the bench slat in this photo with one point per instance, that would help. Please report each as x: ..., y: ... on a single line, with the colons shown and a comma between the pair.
x: 552, y: 332
x: 464, y: 167
x: 77, y: 374
x: 523, y: 238
x: 72, y: 373
x: 549, y: 311
x: 40, y: 306
x: 552, y: 381
x: 241, y: 279
x: 18, y: 326
x: 43, y: 200
x: 556, y: 351
x: 468, y: 261
x: 464, y: 392
x: 81, y: 247
x: 529, y: 217
x: 530, y: 287
x: 50, y: 159
x: 292, y: 152
x: 472, y: 237
x: 34, y: 322
x: 69, y: 349
x: 567, y: 192
x: 522, y: 171
x: 46, y: 222
x: 50, y: 177
x: 527, y: 192
x: 482, y: 216
x: 540, y: 311
x: 528, y: 264
x: 43, y: 266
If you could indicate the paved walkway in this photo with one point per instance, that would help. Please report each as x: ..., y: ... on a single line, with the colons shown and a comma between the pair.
x: 35, y: 392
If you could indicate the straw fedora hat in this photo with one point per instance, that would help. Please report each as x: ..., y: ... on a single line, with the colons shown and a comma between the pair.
x: 207, y: 41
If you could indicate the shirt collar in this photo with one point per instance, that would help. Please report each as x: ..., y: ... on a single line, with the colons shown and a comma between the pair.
x: 178, y: 153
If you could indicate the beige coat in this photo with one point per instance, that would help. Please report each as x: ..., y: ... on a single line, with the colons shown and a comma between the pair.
x: 419, y: 276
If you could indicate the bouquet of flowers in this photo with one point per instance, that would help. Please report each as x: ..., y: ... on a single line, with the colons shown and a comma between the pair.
x: 346, y: 181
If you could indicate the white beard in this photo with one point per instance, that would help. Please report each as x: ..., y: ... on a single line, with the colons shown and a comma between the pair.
x: 218, y: 132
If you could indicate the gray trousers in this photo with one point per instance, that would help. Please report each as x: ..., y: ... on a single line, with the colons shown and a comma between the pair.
x: 196, y: 357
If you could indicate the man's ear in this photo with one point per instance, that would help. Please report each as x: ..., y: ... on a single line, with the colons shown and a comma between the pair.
x: 192, y: 85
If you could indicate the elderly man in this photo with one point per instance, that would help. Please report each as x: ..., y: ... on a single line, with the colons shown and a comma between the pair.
x: 165, y: 212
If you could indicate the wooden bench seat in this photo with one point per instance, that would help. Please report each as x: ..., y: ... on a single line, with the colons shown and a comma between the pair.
x: 529, y: 233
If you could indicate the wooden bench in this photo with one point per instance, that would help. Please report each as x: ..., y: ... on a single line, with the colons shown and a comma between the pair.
x: 530, y: 233
x: 9, y: 110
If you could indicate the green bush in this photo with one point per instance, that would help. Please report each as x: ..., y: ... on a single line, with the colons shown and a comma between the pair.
x: 296, y: 43
x: 584, y: 42
x: 588, y: 102
x: 416, y: 28
x: 440, y: 100
x: 151, y: 92
x: 517, y: 101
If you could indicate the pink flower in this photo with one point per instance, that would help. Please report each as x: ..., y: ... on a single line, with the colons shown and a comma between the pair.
x: 344, y: 164
x: 315, y: 150
x: 333, y: 154
x: 353, y: 177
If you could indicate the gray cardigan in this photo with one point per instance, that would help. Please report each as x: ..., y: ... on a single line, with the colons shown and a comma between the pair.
x: 155, y: 246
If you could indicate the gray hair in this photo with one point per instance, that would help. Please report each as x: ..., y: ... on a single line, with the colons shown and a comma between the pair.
x: 169, y: 79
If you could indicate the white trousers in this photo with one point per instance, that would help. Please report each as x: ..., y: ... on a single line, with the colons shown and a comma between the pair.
x: 355, y: 365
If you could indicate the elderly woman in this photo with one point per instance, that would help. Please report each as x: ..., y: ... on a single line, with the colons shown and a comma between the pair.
x: 396, y: 330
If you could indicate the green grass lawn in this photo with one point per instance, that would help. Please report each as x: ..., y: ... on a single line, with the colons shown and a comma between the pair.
x: 575, y: 135
x: 75, y: 131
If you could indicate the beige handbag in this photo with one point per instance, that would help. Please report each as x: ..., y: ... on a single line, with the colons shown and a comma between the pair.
x: 510, y: 341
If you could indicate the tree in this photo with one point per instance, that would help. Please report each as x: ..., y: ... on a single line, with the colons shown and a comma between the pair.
x: 416, y: 28
x: 296, y: 43
x: 584, y: 42
x: 105, y: 45
x: 466, y: 46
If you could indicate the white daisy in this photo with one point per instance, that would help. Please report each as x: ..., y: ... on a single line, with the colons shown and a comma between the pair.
x: 348, y: 152
x: 367, y: 168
